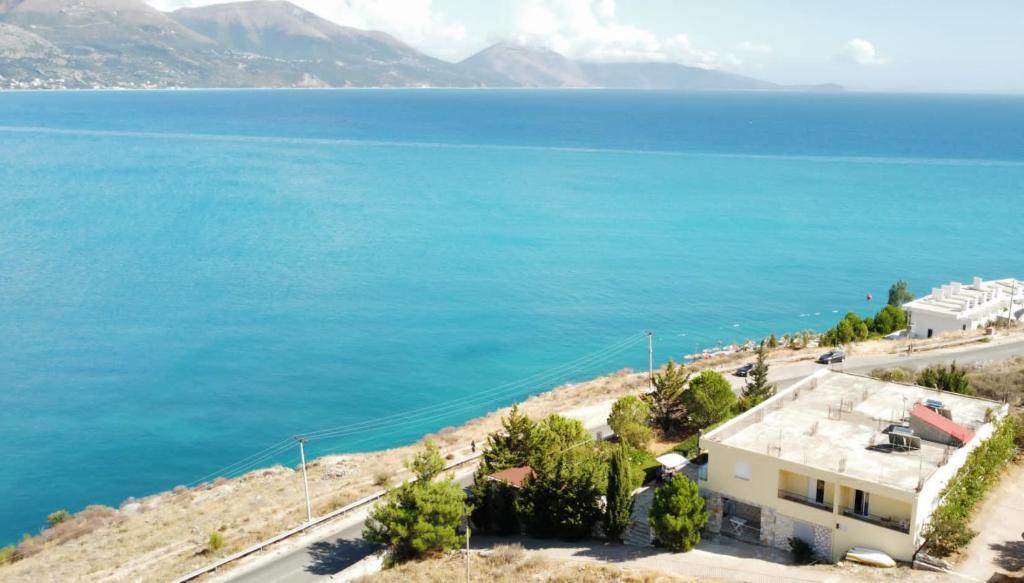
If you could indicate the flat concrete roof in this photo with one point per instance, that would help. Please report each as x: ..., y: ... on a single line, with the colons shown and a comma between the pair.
x: 959, y: 299
x: 833, y: 421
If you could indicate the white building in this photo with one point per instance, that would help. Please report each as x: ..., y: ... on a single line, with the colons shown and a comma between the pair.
x: 957, y: 307
x: 841, y: 461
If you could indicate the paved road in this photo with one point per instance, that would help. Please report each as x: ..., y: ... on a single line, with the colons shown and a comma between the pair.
x: 784, y: 375
x: 327, y: 555
x: 322, y: 558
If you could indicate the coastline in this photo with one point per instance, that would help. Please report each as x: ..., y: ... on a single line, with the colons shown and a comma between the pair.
x: 163, y: 535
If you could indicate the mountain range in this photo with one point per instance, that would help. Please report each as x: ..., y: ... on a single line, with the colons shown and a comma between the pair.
x: 83, y: 44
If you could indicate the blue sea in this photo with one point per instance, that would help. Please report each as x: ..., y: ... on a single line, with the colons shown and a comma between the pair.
x: 188, y: 278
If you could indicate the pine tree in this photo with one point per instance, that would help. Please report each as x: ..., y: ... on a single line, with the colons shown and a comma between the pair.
x: 623, y: 478
x: 563, y: 497
x: 665, y: 401
x: 678, y: 514
x: 510, y: 446
x: 757, y: 388
x: 419, y: 516
x: 898, y: 294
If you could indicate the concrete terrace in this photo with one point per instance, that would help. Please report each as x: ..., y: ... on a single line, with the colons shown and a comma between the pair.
x: 835, y: 421
x: 961, y: 299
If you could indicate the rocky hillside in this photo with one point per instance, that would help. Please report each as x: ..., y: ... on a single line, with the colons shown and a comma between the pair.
x: 527, y: 67
x: 57, y: 44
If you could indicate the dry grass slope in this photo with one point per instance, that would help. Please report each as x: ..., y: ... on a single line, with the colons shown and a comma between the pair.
x: 160, y: 537
x: 511, y: 564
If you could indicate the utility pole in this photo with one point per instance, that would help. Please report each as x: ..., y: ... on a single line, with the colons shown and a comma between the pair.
x: 305, y: 481
x: 650, y: 360
x: 467, y: 552
x: 910, y: 334
x: 1009, y: 309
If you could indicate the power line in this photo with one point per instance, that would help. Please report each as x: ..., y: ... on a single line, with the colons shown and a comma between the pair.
x: 539, y: 377
x: 441, y: 409
x: 426, y: 413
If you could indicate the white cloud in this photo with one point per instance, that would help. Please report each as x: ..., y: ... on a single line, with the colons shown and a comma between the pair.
x: 415, y: 22
x: 862, y: 52
x: 580, y: 29
x: 412, y: 21
x: 589, y: 29
x: 754, y: 47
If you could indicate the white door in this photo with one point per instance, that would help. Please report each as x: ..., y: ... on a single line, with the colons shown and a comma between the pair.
x: 812, y: 489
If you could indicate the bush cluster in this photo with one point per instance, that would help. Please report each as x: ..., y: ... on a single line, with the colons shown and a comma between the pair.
x: 948, y: 531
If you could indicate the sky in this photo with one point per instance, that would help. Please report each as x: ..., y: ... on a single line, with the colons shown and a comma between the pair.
x: 869, y: 45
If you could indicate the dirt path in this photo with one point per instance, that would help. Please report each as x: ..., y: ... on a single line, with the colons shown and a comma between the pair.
x: 999, y: 546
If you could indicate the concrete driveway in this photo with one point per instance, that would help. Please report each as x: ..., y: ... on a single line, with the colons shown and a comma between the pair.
x: 998, y: 549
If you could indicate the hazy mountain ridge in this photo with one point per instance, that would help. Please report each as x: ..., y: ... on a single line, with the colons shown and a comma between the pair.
x: 273, y: 43
x: 527, y: 67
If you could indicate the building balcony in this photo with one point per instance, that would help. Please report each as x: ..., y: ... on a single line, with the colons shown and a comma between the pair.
x: 899, y: 525
x: 805, y: 500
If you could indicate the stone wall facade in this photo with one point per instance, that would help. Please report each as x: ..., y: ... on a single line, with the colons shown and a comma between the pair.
x: 714, y: 505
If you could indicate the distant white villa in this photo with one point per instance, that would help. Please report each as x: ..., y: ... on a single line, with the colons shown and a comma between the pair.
x: 957, y: 307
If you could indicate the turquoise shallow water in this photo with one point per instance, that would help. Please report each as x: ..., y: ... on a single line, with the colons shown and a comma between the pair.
x: 190, y: 277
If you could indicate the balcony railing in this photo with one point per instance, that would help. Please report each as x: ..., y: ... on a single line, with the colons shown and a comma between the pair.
x: 805, y: 500
x: 899, y: 525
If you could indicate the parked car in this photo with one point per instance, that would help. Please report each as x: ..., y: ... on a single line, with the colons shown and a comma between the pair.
x: 744, y: 370
x: 831, y: 356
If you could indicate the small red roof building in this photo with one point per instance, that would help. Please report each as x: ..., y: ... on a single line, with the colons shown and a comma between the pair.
x: 947, y: 426
x: 513, y: 476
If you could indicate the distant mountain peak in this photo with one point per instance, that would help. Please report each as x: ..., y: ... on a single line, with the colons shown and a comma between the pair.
x: 276, y: 43
x: 527, y: 66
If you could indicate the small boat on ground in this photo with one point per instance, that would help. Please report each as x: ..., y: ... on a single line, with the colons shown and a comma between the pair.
x: 869, y: 557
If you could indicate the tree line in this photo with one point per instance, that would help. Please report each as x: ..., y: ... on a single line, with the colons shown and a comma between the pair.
x: 891, y: 318
x: 574, y: 486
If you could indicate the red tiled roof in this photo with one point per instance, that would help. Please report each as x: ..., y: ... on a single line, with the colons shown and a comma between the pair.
x: 957, y: 431
x: 513, y: 476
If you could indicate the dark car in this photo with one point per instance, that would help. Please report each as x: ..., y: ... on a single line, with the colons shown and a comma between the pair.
x: 831, y: 356
x: 744, y: 370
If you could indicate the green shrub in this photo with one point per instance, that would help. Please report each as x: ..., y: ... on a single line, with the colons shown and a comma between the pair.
x: 944, y: 378
x: 628, y: 419
x: 57, y: 517
x: 6, y: 553
x: 708, y: 400
x: 893, y: 375
x: 214, y: 542
x: 948, y: 530
x: 678, y: 514
x: 803, y: 553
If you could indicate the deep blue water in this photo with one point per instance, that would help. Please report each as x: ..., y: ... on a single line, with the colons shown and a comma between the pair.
x: 189, y: 277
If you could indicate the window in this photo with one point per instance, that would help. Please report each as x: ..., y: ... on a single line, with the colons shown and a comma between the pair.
x: 743, y: 470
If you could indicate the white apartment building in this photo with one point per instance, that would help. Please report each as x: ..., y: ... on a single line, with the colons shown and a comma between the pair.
x: 957, y: 307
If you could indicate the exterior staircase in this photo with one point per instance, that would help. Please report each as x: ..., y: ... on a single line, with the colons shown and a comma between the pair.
x: 639, y: 532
